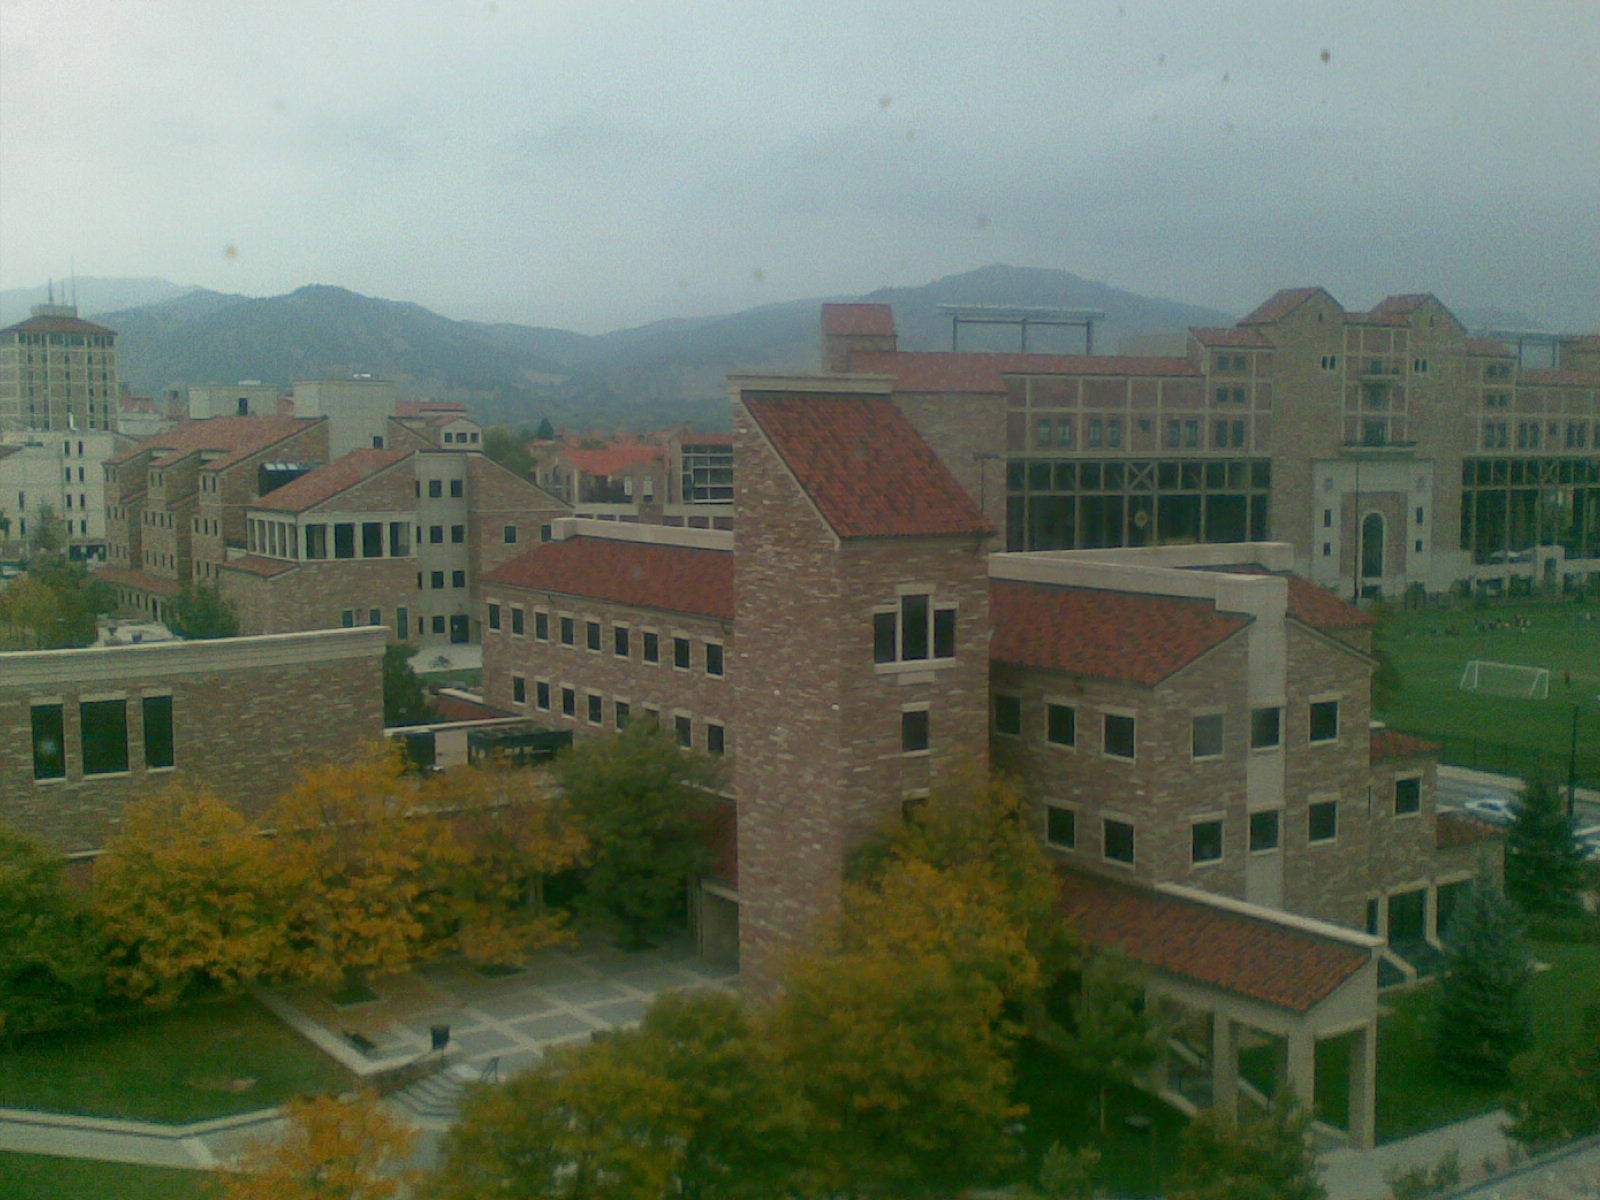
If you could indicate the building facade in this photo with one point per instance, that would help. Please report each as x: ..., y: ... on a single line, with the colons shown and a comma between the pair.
x: 58, y: 372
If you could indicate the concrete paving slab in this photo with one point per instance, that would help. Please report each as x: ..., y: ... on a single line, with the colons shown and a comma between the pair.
x: 618, y: 1013
x: 553, y: 1028
x: 586, y: 991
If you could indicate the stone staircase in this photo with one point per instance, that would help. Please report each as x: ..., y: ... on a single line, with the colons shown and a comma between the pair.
x: 436, y: 1098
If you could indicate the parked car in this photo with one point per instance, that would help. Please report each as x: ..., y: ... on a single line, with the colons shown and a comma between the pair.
x: 1497, y: 810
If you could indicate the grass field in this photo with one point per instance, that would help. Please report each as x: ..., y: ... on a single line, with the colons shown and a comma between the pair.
x: 38, y: 1177
x: 1428, y: 651
x: 208, y: 1060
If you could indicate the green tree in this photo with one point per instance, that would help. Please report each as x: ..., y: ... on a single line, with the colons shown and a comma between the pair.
x: 201, y: 611
x: 546, y: 431
x: 49, y: 535
x: 1268, y: 1158
x: 1545, y: 870
x: 187, y: 895
x: 1482, y: 1017
x: 1113, y: 1037
x: 892, y: 1034
x: 642, y: 803
x: 53, y: 606
x: 51, y: 971
x: 1555, y: 1088
x: 1065, y: 1175
x: 333, y: 1148
x: 509, y: 448
x: 584, y: 1124
x: 405, y: 700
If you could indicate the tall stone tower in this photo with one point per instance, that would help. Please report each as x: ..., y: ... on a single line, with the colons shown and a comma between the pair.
x: 58, y: 372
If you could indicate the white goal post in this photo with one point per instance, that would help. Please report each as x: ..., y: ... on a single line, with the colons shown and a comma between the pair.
x: 1506, y: 679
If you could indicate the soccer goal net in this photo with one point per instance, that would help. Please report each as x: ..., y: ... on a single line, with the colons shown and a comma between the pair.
x: 1506, y: 679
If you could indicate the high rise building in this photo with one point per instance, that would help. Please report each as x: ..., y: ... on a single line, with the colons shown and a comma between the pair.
x: 58, y: 372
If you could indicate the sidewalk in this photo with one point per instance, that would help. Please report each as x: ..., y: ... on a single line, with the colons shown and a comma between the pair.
x: 1359, y: 1174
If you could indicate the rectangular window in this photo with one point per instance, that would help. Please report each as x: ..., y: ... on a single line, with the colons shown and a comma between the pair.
x: 437, y: 624
x: 436, y: 535
x: 455, y: 488
x: 904, y: 635
x: 541, y: 625
x: 104, y: 736
x: 1322, y: 821
x: 683, y: 727
x: 1060, y: 826
x: 621, y: 707
x: 591, y: 635
x: 510, y: 535
x: 519, y: 690
x: 541, y: 694
x: 1008, y: 716
x: 944, y: 633
x: 1205, y: 842
x: 597, y: 708
x: 567, y: 631
x: 458, y: 579
x: 374, y: 616
x: 316, y: 541
x: 1324, y: 721
x: 913, y: 627
x: 714, y: 738
x: 517, y: 620
x: 914, y: 731
x: 402, y: 623
x: 569, y: 702
x: 344, y: 540
x: 680, y: 653
x: 1118, y: 736
x: 1266, y: 727
x: 713, y: 658
x: 435, y: 488
x: 1264, y: 830
x: 347, y: 618
x: 652, y: 647
x: 458, y: 533
x: 436, y: 579
x: 1061, y: 725
x: 49, y: 742
x: 1118, y: 843
x: 884, y: 631
x: 1407, y: 796
x: 1207, y: 741
x: 619, y: 641
x: 372, y: 539
x: 494, y: 616
x: 399, y: 539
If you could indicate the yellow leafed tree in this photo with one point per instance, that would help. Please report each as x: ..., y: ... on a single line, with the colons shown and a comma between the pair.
x: 331, y: 1149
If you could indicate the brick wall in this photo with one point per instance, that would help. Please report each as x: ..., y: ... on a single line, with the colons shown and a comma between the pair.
x: 247, y: 715
x: 315, y: 595
x: 500, y: 498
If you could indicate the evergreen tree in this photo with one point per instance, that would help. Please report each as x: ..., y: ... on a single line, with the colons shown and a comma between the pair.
x: 201, y: 611
x: 405, y: 700
x: 1483, y: 1018
x: 546, y: 431
x: 1555, y: 1089
x: 1544, y: 866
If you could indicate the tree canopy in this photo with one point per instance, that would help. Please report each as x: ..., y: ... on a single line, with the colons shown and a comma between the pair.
x: 1482, y: 1016
x: 50, y: 965
x: 1268, y: 1158
x: 405, y: 700
x: 331, y: 1149
x: 1545, y: 870
x: 201, y: 611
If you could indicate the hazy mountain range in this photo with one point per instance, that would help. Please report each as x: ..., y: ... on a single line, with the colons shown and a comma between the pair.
x: 653, y: 375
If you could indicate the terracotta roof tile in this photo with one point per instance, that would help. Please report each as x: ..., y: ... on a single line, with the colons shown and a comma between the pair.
x: 1279, y: 305
x: 256, y: 564
x: 1212, y: 336
x: 1401, y: 305
x: 1265, y: 961
x: 640, y: 574
x: 233, y: 437
x: 1389, y: 743
x: 56, y: 325
x: 864, y: 465
x: 1310, y: 603
x: 1132, y: 638
x: 613, y: 459
x: 1459, y: 829
x: 123, y: 577
x: 328, y: 481
x: 939, y: 372
x: 454, y: 708
x: 874, y: 320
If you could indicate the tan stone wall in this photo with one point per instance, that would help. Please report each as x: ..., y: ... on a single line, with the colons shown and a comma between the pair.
x: 969, y: 433
x: 315, y: 595
x: 239, y: 727
x: 499, y: 499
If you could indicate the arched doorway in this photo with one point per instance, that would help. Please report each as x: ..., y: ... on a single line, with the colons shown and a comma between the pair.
x: 1372, y: 546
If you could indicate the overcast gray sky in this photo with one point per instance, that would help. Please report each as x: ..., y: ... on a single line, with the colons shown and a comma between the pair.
x: 595, y: 164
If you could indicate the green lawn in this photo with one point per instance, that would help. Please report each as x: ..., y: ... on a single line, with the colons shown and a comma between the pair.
x: 207, y: 1060
x: 1428, y: 651
x: 37, y: 1177
x: 1063, y: 1106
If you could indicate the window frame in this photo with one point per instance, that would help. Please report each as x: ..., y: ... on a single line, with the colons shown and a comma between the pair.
x: 916, y: 730
x: 1415, y: 807
x: 1220, y: 718
x: 1257, y: 825
x: 1207, y: 822
x: 1328, y: 808
x: 1052, y: 706
x: 1006, y: 723
x: 1256, y: 713
x: 1106, y: 823
x: 1070, y: 813
x: 1312, y: 707
x: 1107, y: 716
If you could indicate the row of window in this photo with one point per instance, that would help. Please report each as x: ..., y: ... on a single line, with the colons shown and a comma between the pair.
x: 436, y: 488
x: 465, y: 437
x: 102, y: 736
x: 622, y: 641
x: 1119, y: 730
x: 1531, y: 435
x: 563, y: 697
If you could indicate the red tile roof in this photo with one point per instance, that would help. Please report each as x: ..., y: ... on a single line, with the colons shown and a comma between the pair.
x: 1213, y: 336
x: 1139, y: 639
x: 1277, y: 964
x: 1400, y: 306
x: 939, y: 372
x: 1388, y: 743
x: 1310, y: 603
x: 233, y: 437
x: 613, y: 459
x: 421, y: 408
x: 708, y: 441
x: 255, y: 564
x: 454, y: 708
x: 1279, y: 305
x: 328, y: 481
x: 1460, y: 829
x: 56, y: 325
x: 874, y: 320
x: 122, y: 577
x: 640, y: 574
x: 864, y: 465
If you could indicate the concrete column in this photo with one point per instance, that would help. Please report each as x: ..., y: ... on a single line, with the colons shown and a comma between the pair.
x: 1364, y: 1087
x: 1224, y: 1066
x: 1301, y: 1054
